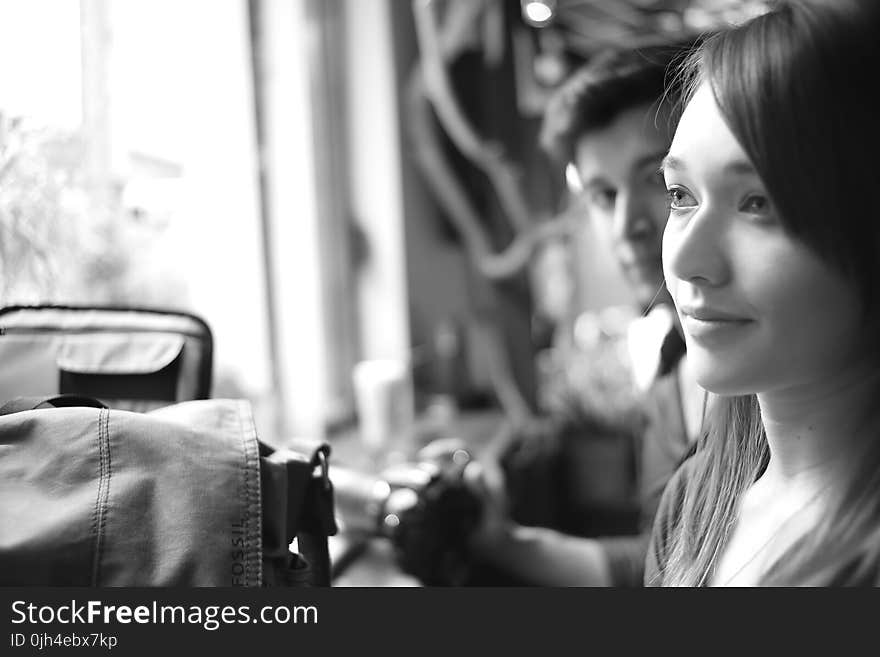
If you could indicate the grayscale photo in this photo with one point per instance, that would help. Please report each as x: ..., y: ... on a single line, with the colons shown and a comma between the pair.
x: 460, y: 294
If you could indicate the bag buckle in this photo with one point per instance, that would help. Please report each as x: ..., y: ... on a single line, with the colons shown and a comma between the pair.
x: 325, y: 469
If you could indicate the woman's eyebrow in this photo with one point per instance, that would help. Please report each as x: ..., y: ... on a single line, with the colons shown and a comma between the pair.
x: 737, y: 167
x: 670, y: 162
x: 741, y: 167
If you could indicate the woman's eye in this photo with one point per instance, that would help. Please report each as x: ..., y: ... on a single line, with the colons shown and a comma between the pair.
x: 680, y: 198
x: 756, y: 204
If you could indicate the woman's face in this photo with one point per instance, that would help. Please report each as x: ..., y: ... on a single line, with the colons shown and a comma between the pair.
x: 760, y: 311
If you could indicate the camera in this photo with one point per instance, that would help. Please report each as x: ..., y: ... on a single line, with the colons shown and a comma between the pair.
x: 423, y: 507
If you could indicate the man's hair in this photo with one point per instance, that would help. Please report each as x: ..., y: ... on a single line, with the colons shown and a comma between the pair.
x: 608, y: 85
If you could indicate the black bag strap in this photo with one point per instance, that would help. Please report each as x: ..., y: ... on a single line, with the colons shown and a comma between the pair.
x: 317, y: 520
x: 59, y: 401
x: 308, y: 513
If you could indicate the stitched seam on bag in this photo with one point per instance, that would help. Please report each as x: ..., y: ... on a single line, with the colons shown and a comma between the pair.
x: 96, y: 512
x: 104, y: 466
x: 109, y: 462
x: 256, y: 496
x: 252, y: 565
x: 247, y: 502
x: 256, y: 511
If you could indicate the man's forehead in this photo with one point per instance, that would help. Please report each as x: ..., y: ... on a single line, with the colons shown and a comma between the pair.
x: 635, y: 139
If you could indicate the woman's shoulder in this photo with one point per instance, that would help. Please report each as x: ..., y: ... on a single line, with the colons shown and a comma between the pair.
x: 673, y: 494
x: 668, y: 515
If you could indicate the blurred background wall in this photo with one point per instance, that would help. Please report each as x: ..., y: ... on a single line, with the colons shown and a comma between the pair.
x: 287, y: 170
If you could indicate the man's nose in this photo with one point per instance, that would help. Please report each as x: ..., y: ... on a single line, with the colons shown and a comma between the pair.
x: 632, y: 219
x: 694, y: 250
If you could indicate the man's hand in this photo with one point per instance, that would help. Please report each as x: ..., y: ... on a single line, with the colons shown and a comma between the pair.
x: 485, y: 479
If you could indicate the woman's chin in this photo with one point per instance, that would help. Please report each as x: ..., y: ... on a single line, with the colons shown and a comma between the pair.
x: 722, y: 381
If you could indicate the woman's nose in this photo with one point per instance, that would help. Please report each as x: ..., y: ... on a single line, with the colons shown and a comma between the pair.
x: 694, y: 249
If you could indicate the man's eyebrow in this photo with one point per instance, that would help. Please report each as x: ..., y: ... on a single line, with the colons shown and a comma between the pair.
x: 650, y: 158
x: 595, y: 181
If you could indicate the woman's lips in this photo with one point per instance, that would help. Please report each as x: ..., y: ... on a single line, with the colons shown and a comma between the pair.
x: 707, y: 324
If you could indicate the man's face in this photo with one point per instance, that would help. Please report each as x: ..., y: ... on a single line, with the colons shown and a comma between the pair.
x: 624, y: 192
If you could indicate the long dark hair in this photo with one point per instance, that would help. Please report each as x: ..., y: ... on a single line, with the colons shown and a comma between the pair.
x: 796, y: 86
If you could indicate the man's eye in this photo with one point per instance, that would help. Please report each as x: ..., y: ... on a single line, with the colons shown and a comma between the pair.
x: 679, y: 198
x: 603, y: 198
x: 656, y: 178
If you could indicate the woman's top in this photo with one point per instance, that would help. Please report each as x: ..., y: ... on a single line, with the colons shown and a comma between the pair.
x: 864, y: 571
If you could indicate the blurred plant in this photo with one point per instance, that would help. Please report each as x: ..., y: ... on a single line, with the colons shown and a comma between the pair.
x: 58, y: 242
x: 589, y: 380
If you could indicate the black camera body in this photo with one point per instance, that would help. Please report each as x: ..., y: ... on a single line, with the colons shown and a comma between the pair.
x: 423, y: 507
